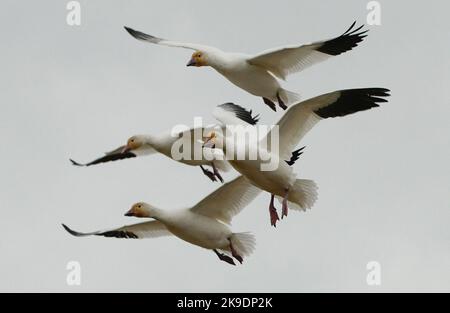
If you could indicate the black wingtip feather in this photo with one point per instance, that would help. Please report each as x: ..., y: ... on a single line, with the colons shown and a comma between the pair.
x: 75, y: 163
x: 295, y: 156
x: 354, y: 100
x: 347, y: 41
x: 119, y: 234
x: 107, y: 158
x: 241, y: 113
x: 351, y: 26
x: 142, y: 36
x: 108, y: 234
x: 356, y: 30
x: 70, y: 231
x: 131, y: 31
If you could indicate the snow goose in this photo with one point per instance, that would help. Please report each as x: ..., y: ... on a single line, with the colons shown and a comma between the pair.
x: 282, y: 182
x: 257, y: 74
x: 206, y: 224
x: 141, y: 145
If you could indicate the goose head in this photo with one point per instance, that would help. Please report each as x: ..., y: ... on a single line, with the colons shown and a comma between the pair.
x: 210, y: 140
x: 198, y: 59
x: 214, y: 140
x: 138, y: 144
x: 141, y: 209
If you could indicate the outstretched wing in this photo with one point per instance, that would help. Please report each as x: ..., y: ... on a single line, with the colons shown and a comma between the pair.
x: 160, y: 41
x: 292, y: 59
x: 301, y: 117
x: 150, y: 229
x: 117, y: 154
x: 228, y: 200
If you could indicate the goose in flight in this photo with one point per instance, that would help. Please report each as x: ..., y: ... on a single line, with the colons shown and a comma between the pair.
x: 206, y: 224
x: 282, y: 182
x: 141, y: 145
x: 258, y: 74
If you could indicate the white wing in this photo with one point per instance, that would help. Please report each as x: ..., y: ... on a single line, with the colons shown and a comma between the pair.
x: 301, y: 117
x: 233, y: 114
x: 150, y: 229
x: 291, y: 59
x: 227, y: 201
x: 159, y: 41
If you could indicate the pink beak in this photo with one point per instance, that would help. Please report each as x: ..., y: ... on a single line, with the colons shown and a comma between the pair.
x: 191, y: 62
x: 129, y: 213
x: 126, y: 149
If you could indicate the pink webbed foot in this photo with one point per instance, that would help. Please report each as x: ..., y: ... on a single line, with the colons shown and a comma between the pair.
x: 235, y: 255
x: 284, y: 209
x: 216, y: 173
x: 273, y: 212
x: 224, y: 257
x: 281, y: 103
x: 209, y: 174
x: 270, y: 104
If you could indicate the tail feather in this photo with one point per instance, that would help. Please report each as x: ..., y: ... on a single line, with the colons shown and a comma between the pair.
x: 289, y: 97
x: 302, y: 195
x: 243, y: 243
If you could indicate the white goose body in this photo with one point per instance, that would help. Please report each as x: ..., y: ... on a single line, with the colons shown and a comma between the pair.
x: 280, y: 180
x: 257, y: 74
x: 168, y: 143
x: 256, y: 80
x: 275, y: 182
x: 203, y: 225
x: 198, y: 230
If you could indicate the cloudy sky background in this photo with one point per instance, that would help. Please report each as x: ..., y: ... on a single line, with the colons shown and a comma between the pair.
x: 79, y: 91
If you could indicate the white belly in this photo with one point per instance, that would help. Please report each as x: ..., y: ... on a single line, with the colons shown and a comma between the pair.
x: 254, y: 80
x: 201, y: 231
x: 275, y: 182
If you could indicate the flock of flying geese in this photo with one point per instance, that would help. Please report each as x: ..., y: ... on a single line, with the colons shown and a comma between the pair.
x: 206, y: 224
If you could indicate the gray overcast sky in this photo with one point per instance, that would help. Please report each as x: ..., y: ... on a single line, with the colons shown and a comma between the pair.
x: 78, y: 91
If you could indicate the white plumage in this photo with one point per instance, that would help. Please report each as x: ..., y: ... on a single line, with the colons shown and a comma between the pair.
x: 257, y: 74
x: 282, y: 181
x: 169, y: 142
x: 204, y: 225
